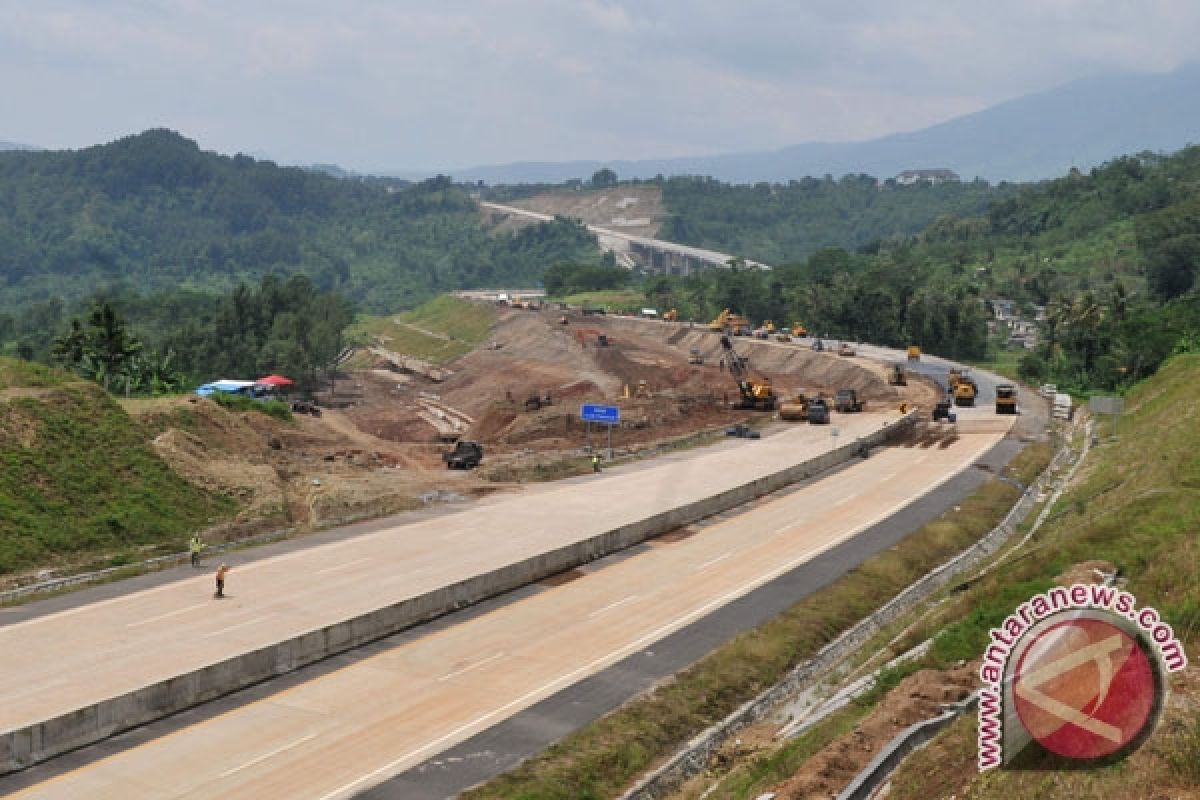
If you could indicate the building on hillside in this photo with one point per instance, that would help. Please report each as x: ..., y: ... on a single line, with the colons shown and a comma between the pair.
x: 911, y: 176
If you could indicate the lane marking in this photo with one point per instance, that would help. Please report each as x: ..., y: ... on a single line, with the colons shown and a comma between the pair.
x: 342, y: 566
x: 845, y: 500
x: 265, y: 756
x: 234, y: 627
x: 167, y: 615
x: 611, y: 606
x: 470, y: 667
x: 714, y: 561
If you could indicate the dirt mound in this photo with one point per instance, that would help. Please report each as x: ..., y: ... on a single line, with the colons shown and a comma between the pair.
x: 917, y: 697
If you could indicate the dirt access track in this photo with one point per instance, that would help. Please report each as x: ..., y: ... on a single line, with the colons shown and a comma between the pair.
x: 376, y: 448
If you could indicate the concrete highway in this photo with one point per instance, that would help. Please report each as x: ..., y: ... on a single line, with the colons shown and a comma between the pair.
x: 377, y: 716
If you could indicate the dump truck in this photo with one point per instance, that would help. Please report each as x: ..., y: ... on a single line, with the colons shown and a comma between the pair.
x: 755, y: 393
x: 1006, y: 398
x: 818, y: 411
x: 942, y: 411
x: 465, y: 455
x: 914, y: 353
x: 896, y: 376
x: 846, y: 402
x: 965, y: 391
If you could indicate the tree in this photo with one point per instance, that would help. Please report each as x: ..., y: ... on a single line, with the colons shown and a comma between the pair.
x: 604, y: 179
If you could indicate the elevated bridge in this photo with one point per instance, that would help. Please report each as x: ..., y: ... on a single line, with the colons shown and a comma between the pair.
x: 653, y: 255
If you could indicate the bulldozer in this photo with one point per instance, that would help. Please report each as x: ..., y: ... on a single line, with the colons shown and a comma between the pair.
x: 1006, y: 398
x: 896, y: 375
x: 756, y: 394
x: 846, y: 402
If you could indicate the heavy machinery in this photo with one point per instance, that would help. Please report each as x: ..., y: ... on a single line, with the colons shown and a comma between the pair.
x: 896, y: 375
x: 694, y: 356
x: 770, y: 326
x: 739, y: 325
x: 537, y: 402
x: 755, y: 394
x: 965, y: 391
x: 818, y: 411
x: 942, y: 411
x: 1006, y: 398
x: 720, y: 322
x: 845, y: 349
x: 914, y: 353
x: 465, y: 455
x: 671, y: 315
x: 799, y: 330
x: 953, y: 377
x: 795, y: 409
x: 846, y: 402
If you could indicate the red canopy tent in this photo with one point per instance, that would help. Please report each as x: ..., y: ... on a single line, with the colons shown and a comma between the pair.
x: 275, y: 380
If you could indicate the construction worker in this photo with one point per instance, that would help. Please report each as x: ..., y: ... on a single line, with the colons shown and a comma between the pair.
x: 595, y: 462
x: 196, y: 546
x: 221, y: 570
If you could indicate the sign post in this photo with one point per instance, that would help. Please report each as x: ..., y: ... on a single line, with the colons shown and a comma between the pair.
x: 603, y: 415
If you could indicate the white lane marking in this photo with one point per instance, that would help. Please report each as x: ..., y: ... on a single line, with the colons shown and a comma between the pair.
x: 844, y: 500
x: 713, y: 561
x: 611, y: 606
x: 463, y: 531
x: 234, y: 627
x: 167, y: 615
x: 470, y: 667
x: 342, y: 566
x: 265, y: 756
x: 887, y: 477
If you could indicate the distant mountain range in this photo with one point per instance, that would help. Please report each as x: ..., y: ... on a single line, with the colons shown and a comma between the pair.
x: 1038, y: 136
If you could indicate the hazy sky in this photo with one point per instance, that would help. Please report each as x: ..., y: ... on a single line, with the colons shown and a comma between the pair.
x: 393, y: 85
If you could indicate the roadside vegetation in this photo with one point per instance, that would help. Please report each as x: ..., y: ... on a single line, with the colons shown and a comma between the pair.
x: 603, y: 757
x: 1134, y: 506
x: 79, y: 481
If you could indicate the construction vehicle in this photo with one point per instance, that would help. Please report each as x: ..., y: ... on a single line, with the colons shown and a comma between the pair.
x: 845, y: 349
x: 465, y: 455
x: 846, y: 402
x: 755, y: 394
x: 942, y: 411
x: 818, y: 411
x: 799, y: 330
x: 602, y: 340
x: 770, y: 326
x: 1006, y: 398
x: 955, y: 375
x: 537, y: 402
x: 965, y: 391
x: 720, y: 322
x: 914, y: 353
x: 783, y: 336
x: 743, y: 431
x: 694, y: 356
x: 671, y: 315
x: 739, y: 325
x: 795, y: 409
x: 896, y: 375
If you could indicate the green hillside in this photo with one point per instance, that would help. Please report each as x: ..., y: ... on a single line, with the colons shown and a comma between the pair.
x: 78, y: 476
x: 155, y: 213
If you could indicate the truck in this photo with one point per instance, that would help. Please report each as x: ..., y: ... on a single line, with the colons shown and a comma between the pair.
x: 914, y: 353
x: 846, y: 402
x: 896, y: 376
x: 465, y: 455
x: 818, y: 411
x: 1006, y: 398
x: 1062, y: 406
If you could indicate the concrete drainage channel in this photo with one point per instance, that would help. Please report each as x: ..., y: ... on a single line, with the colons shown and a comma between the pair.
x: 695, y: 756
x: 43, y: 740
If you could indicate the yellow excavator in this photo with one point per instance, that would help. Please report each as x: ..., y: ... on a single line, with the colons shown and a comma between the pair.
x: 720, y: 322
x: 756, y: 394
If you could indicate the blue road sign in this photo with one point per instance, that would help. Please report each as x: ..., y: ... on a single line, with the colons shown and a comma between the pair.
x: 591, y: 412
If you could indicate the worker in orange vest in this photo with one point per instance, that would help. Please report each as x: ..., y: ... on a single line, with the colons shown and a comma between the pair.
x: 221, y: 570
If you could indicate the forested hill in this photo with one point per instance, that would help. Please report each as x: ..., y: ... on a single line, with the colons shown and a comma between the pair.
x: 155, y: 213
x: 782, y: 223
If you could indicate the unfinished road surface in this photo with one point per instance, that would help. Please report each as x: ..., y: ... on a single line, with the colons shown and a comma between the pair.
x: 353, y: 727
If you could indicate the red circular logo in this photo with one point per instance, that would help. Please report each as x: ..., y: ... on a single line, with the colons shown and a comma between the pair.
x: 1084, y: 688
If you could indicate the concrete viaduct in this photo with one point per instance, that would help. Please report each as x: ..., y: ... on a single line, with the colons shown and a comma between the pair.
x: 653, y: 255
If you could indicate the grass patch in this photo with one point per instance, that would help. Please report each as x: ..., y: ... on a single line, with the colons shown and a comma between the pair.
x: 240, y: 402
x: 609, y: 299
x: 439, y: 331
x: 78, y: 478
x: 1136, y: 506
x: 15, y: 373
x: 601, y: 759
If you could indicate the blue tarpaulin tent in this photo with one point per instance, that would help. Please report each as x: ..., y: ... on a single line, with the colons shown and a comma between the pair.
x: 233, y: 387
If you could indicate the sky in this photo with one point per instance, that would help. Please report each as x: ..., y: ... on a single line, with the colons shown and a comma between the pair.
x: 385, y: 86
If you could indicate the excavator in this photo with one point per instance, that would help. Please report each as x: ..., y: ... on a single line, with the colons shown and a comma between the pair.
x: 755, y: 394
x: 799, y: 330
